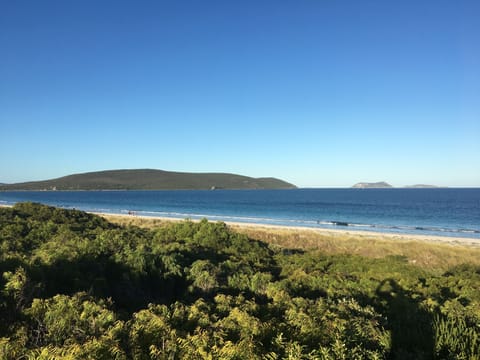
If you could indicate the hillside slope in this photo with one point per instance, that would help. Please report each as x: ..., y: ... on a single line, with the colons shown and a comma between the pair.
x: 149, y: 179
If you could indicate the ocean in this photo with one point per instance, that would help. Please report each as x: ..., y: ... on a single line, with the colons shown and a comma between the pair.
x: 443, y: 212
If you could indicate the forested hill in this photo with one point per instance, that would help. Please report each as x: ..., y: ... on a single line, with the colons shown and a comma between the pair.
x: 149, y: 179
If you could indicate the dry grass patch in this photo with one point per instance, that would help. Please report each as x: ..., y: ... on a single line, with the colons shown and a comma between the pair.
x: 432, y: 253
x: 428, y: 254
x: 132, y: 220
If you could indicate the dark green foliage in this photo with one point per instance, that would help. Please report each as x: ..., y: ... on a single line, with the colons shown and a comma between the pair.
x: 74, y: 286
x: 149, y: 179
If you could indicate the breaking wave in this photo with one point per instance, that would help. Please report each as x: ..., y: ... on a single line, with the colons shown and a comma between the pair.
x: 324, y: 224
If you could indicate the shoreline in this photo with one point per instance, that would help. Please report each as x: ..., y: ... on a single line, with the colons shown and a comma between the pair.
x: 331, y: 233
x: 435, y: 253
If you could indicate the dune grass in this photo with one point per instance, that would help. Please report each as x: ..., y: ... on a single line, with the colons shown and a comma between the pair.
x: 423, y: 252
x: 427, y: 254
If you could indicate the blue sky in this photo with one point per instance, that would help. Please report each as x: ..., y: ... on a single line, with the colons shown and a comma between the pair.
x: 319, y: 92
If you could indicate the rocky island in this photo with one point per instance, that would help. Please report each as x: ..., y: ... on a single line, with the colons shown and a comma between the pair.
x: 372, y: 185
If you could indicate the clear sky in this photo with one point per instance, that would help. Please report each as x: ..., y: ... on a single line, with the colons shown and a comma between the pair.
x: 316, y: 92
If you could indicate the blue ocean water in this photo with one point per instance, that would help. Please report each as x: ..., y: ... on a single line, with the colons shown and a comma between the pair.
x: 447, y: 212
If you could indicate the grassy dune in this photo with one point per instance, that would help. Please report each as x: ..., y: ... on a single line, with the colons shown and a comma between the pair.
x: 434, y: 253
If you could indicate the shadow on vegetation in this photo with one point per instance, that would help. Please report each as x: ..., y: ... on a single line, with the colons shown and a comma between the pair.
x: 412, y: 334
x: 102, y: 277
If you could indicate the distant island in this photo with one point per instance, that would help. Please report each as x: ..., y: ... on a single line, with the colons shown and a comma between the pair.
x: 385, y: 185
x: 374, y: 185
x: 150, y: 179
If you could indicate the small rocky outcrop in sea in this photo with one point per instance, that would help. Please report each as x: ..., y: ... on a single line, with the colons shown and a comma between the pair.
x: 374, y: 185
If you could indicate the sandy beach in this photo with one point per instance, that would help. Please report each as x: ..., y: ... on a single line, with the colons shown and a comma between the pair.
x: 434, y: 252
x: 331, y: 233
x: 247, y: 227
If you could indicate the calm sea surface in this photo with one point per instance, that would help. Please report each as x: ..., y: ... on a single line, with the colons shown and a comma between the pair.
x: 447, y: 212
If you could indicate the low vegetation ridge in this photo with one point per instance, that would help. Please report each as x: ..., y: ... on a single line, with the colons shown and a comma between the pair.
x: 149, y: 179
x: 75, y: 286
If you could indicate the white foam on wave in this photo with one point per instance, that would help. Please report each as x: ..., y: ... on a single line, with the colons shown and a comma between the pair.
x: 298, y: 222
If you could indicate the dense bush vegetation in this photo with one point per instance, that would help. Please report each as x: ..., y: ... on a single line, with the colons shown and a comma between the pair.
x: 75, y: 286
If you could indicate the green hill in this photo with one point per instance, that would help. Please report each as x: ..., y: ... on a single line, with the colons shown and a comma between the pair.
x: 148, y: 179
